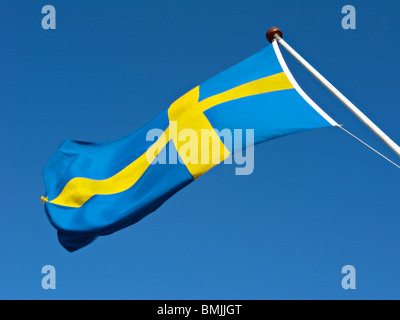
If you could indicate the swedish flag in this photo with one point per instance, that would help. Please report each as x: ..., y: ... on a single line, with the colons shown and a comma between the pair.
x: 95, y: 189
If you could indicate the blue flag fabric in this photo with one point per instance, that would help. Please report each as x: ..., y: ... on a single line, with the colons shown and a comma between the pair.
x: 94, y: 189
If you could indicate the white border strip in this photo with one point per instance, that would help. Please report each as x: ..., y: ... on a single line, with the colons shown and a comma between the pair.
x: 298, y: 88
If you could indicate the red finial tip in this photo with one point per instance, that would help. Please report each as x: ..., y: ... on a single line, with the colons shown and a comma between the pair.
x: 272, y: 32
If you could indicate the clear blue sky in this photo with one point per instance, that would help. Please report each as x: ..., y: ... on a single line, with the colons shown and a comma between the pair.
x: 316, y: 201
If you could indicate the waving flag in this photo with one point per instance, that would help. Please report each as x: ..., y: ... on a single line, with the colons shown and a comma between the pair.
x: 94, y: 189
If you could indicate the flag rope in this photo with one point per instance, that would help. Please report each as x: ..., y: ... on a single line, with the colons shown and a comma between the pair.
x: 364, y: 143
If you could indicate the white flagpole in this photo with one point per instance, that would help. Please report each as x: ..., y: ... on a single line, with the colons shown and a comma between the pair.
x: 274, y: 34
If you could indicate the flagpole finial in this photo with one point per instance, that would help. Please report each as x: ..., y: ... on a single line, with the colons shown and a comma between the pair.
x: 272, y: 32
